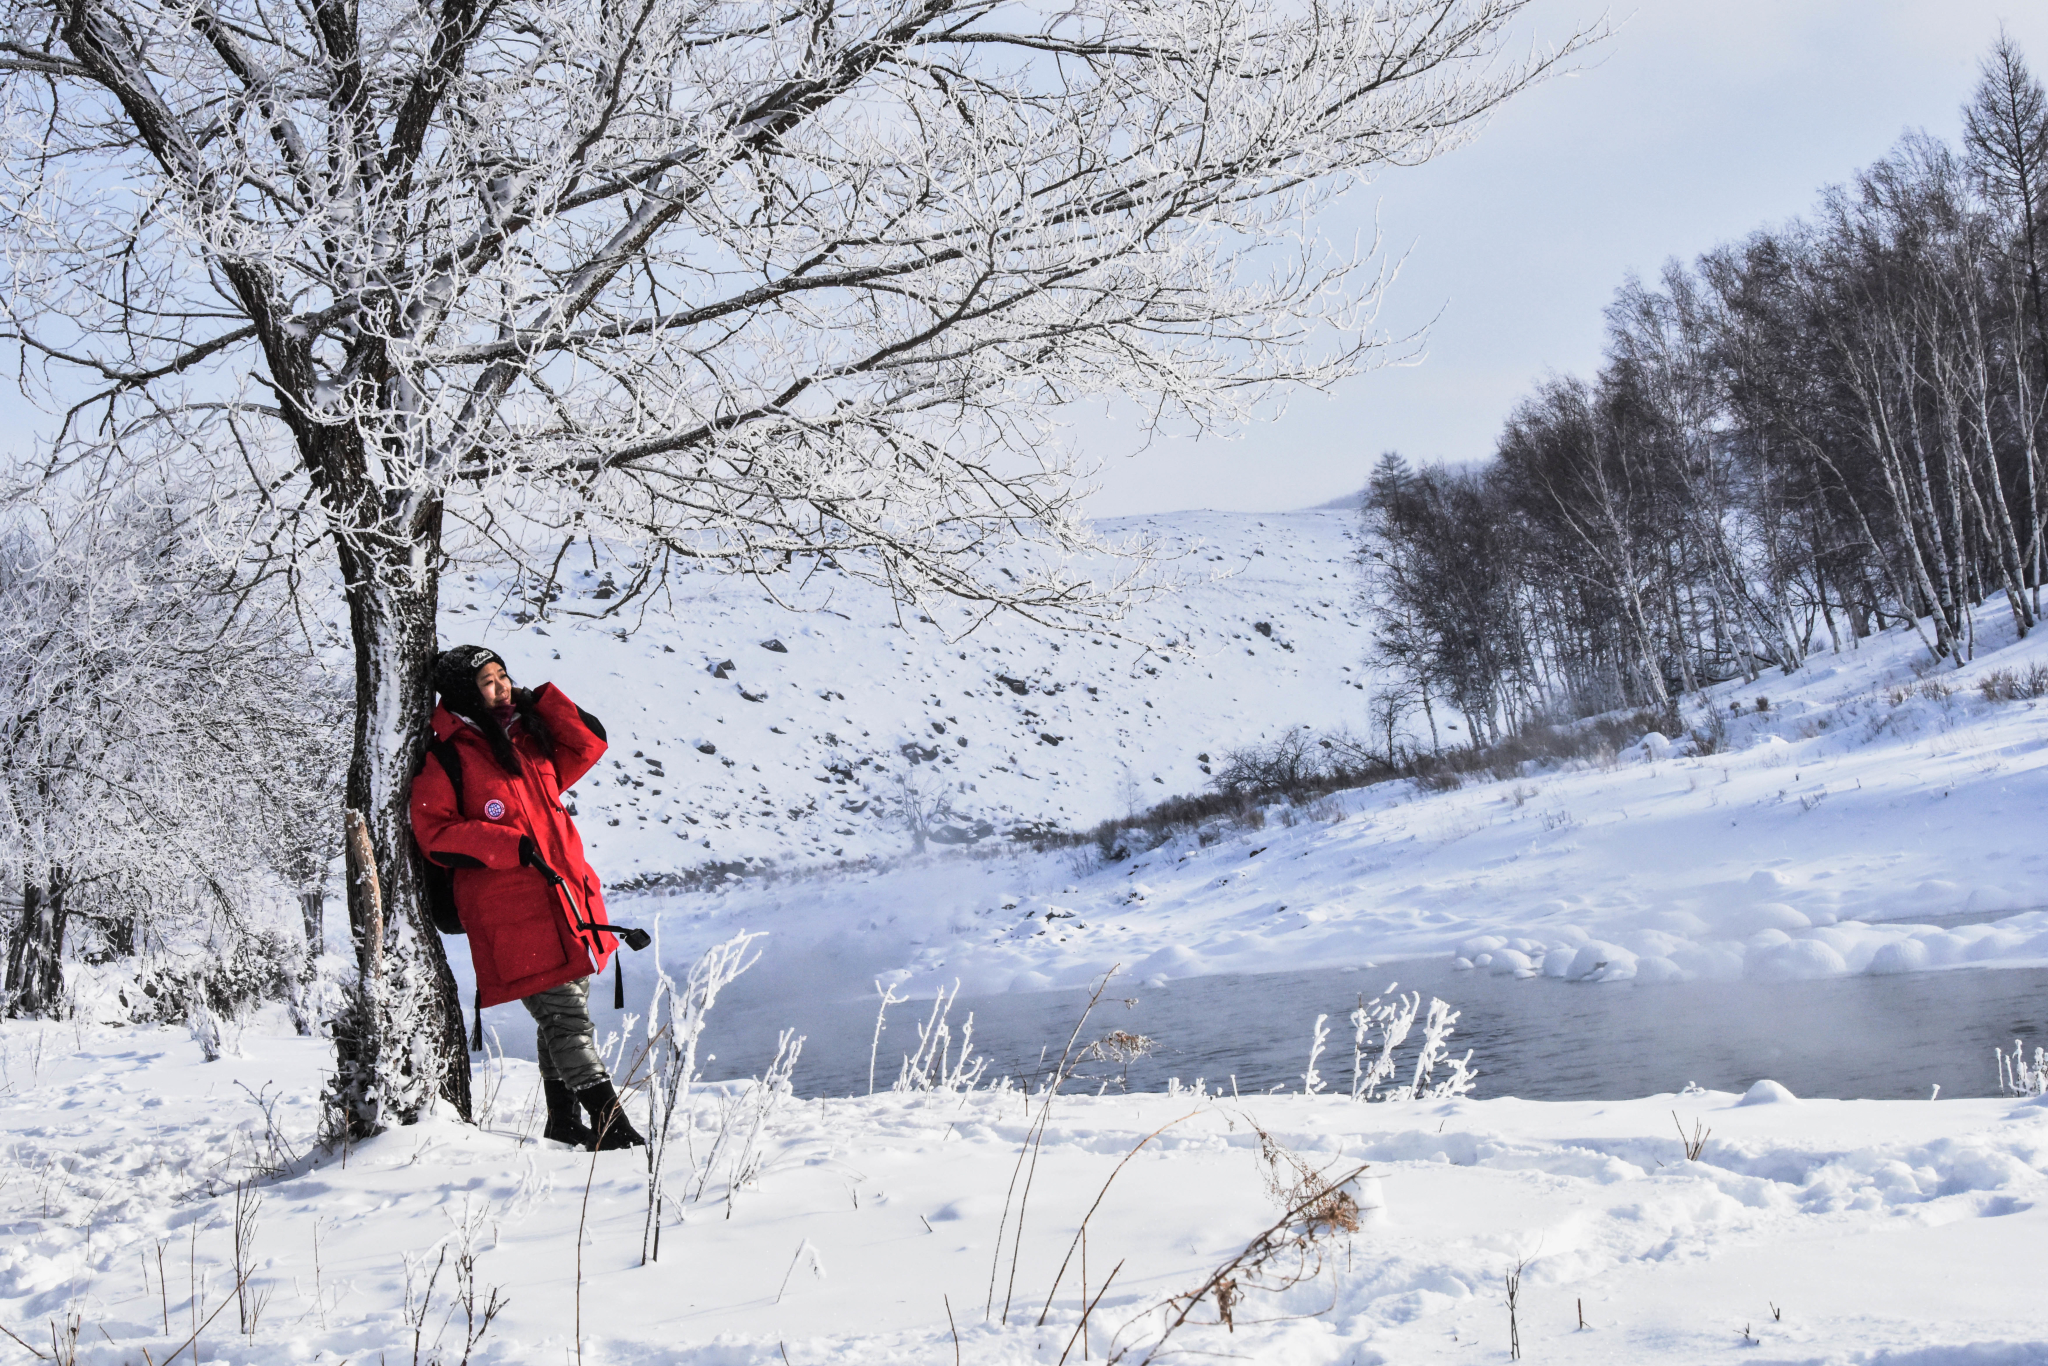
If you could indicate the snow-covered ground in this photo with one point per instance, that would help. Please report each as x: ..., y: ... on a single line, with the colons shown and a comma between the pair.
x: 1815, y: 1231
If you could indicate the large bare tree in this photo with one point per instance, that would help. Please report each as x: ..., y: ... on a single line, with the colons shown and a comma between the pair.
x: 724, y: 279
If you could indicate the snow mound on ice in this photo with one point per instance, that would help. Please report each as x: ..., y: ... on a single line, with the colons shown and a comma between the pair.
x: 1175, y: 960
x: 1767, y: 1092
x: 1798, y: 960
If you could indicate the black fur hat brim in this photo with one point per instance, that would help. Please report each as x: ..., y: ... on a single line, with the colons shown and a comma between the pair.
x: 456, y: 668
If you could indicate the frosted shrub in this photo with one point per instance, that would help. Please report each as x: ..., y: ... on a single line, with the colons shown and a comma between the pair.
x: 1379, y: 1028
x: 931, y: 1068
x: 206, y: 1032
x: 1119, y: 1048
x: 1312, y: 1080
x: 743, y: 1122
x: 2018, y: 1077
x: 1389, y: 1023
x: 675, y: 1021
x: 2014, y: 685
x: 1458, y: 1076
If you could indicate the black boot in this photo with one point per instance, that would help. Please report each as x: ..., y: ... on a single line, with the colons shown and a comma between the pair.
x: 608, y: 1119
x: 565, y: 1120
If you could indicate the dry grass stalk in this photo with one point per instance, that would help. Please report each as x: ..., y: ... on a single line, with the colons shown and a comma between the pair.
x: 1295, y: 1183
x: 73, y: 1324
x: 416, y: 1311
x: 582, y: 1221
x: 1081, y: 1233
x: 1513, y: 1281
x: 63, y: 1340
x: 1697, y: 1142
x: 1080, y: 1333
x: 279, y: 1156
x: 1033, y: 1139
x: 249, y: 1303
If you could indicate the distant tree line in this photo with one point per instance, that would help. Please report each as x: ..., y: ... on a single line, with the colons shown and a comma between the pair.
x: 1815, y: 433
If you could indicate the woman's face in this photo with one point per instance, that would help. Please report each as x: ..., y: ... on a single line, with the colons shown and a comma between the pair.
x: 495, y: 685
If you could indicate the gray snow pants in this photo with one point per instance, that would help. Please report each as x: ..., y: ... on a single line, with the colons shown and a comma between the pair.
x: 566, y: 1042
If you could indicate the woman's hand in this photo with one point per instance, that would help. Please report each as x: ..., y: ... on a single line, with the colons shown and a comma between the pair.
x: 529, y: 854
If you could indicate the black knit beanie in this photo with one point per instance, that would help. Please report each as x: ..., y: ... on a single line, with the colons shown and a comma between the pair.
x: 455, y: 672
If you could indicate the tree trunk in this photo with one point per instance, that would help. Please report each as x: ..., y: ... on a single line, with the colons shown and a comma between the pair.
x: 35, y: 953
x: 402, y: 1041
x: 313, y: 912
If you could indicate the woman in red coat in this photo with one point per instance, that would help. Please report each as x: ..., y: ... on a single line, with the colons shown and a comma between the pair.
x: 531, y: 940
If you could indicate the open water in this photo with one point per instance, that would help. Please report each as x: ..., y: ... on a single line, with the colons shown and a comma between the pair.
x: 1872, y: 1037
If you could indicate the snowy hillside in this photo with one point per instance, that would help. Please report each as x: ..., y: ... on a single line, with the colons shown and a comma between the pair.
x: 1848, y: 827
x: 804, y: 746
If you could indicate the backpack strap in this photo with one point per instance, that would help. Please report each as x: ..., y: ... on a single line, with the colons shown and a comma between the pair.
x: 440, y: 882
x: 451, y: 764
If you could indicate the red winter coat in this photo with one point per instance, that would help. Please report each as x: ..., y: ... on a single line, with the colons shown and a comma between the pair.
x: 522, y: 937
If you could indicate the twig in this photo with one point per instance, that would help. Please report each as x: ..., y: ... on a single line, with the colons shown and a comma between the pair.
x: 419, y: 1324
x: 1258, y: 1244
x: 1033, y: 1141
x: 581, y: 1218
x: 955, y: 1327
x: 1080, y: 1232
x: 1082, y: 1327
x: 1513, y: 1281
x: 37, y: 1353
x: 792, y: 1269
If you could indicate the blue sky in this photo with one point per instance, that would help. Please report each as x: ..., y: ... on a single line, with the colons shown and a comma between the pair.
x: 1694, y: 124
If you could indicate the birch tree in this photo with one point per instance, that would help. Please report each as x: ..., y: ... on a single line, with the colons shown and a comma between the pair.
x: 2005, y: 138
x: 723, y: 280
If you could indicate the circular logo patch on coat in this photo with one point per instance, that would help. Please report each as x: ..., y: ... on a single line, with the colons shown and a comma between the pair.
x: 494, y: 808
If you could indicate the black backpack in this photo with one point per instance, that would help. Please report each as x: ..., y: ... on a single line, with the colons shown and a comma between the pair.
x: 441, y: 881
